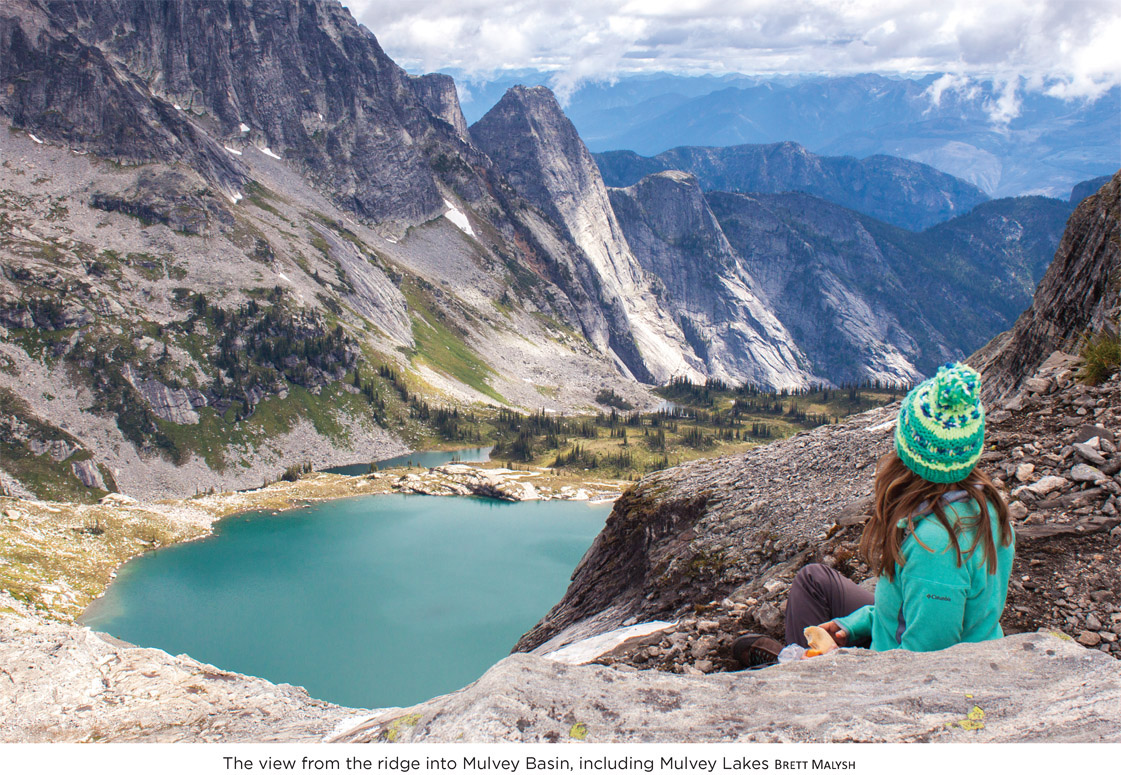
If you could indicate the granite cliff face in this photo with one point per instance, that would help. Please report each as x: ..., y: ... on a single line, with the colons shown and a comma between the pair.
x: 865, y: 300
x: 437, y: 92
x: 860, y: 298
x: 897, y: 191
x: 831, y: 285
x: 723, y: 313
x: 67, y: 90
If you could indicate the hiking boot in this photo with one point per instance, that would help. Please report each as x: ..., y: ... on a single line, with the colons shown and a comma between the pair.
x: 753, y: 650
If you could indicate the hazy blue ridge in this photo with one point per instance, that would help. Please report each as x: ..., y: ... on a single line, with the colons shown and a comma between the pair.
x: 904, y: 193
x: 1087, y: 188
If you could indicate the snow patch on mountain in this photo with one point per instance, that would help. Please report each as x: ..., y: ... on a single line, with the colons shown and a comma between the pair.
x: 456, y: 216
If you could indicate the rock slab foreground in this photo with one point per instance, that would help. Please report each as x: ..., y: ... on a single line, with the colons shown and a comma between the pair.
x: 64, y: 683
x: 1035, y: 687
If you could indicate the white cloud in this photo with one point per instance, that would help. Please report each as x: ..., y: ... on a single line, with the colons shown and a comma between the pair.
x: 949, y: 82
x: 1006, y: 106
x: 1068, y: 47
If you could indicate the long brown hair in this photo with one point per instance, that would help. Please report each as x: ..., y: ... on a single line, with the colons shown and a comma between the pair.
x: 902, y: 494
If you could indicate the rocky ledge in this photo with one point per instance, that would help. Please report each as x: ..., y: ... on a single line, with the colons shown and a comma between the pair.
x: 1038, y: 687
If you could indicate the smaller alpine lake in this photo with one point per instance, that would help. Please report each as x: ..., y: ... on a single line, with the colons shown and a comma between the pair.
x: 375, y: 601
x: 428, y: 459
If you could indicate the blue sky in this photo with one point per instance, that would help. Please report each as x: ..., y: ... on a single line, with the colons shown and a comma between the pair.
x: 1071, y: 49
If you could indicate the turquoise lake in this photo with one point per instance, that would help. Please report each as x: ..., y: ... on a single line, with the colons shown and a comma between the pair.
x: 367, y: 602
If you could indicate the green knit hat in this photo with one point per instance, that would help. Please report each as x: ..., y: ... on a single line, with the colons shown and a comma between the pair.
x: 940, y: 433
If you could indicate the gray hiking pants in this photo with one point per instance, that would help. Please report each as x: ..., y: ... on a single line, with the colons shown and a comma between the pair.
x: 820, y: 594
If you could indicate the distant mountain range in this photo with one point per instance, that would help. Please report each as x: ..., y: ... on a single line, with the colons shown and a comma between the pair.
x: 1050, y: 144
x: 904, y: 193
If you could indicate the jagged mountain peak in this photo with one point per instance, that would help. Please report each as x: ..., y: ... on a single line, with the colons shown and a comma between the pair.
x: 540, y: 97
x: 528, y: 124
x: 527, y: 104
x: 437, y: 92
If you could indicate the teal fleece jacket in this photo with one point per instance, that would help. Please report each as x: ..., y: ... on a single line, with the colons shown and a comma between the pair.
x: 933, y: 603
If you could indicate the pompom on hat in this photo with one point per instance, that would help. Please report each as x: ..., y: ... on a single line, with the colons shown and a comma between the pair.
x: 940, y: 433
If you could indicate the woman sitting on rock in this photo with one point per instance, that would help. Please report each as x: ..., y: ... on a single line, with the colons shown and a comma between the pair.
x: 942, y: 567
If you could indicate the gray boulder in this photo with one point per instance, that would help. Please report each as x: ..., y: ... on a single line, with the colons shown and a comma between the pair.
x: 173, y: 405
x: 1085, y: 473
x: 88, y: 474
x: 58, y: 449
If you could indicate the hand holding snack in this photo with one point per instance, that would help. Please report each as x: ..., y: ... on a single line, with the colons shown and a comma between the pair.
x: 839, y: 636
x: 821, y: 642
